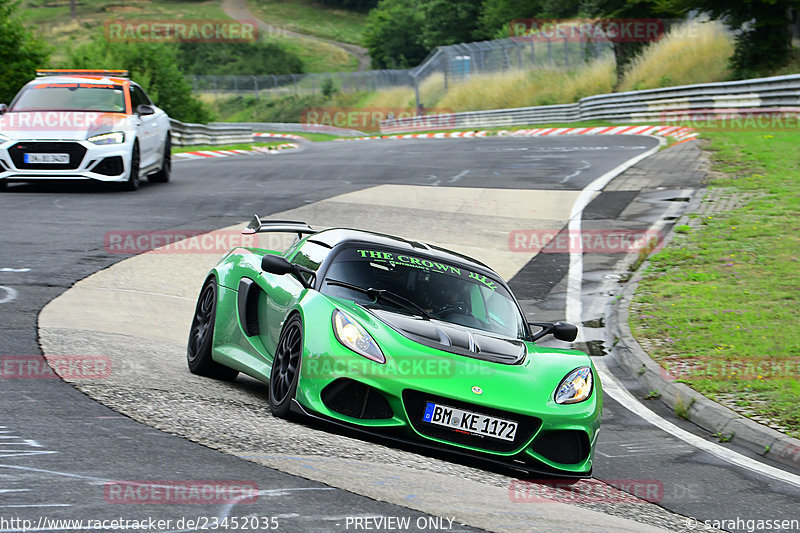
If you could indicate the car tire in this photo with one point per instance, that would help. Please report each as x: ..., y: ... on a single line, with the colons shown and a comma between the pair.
x: 133, y: 174
x: 3, y: 184
x: 285, y: 373
x: 162, y: 176
x: 201, y: 334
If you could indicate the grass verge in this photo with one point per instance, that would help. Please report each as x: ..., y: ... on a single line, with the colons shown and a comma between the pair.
x: 243, y: 146
x: 718, y: 306
x: 312, y: 18
x: 317, y: 56
x: 51, y: 19
x: 53, y: 23
x: 318, y: 137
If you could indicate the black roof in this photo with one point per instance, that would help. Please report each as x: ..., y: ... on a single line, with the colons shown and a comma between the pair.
x: 336, y: 236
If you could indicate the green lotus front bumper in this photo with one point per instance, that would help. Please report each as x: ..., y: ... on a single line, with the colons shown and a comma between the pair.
x: 390, y: 398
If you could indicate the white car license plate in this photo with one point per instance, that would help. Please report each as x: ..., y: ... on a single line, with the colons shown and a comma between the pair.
x: 47, y: 158
x: 476, y: 423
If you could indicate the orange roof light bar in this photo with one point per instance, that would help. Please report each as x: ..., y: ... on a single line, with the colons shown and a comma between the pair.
x: 81, y: 72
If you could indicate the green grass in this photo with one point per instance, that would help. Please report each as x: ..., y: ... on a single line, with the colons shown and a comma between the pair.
x: 249, y: 108
x: 312, y: 18
x: 318, y: 137
x: 52, y: 21
x: 317, y: 56
x: 242, y: 146
x: 720, y: 303
x: 290, y: 108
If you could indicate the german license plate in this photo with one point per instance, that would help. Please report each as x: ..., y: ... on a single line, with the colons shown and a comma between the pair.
x: 47, y: 158
x: 476, y: 423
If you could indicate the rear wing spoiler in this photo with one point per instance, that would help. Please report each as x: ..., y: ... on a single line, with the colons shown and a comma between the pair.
x: 278, y: 226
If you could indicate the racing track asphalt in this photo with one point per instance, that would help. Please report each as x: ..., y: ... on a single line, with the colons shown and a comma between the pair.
x: 57, y: 233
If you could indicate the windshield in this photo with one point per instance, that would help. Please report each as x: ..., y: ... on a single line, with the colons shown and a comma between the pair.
x: 447, y: 292
x: 106, y: 98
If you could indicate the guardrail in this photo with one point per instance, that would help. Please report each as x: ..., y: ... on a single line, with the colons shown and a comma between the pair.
x: 185, y: 134
x: 779, y: 94
x: 218, y: 133
x: 288, y: 127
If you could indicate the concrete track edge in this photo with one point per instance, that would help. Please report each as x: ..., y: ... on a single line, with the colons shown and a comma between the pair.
x: 704, y: 412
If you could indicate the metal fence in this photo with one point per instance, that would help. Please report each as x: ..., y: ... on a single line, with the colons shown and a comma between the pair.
x: 777, y: 96
x: 318, y: 83
x: 447, y: 64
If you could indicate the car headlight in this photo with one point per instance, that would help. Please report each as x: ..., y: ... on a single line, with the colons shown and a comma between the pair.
x: 116, y: 137
x: 576, y: 387
x: 352, y: 335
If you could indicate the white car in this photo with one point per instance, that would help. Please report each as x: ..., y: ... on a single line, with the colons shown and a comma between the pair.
x: 84, y: 124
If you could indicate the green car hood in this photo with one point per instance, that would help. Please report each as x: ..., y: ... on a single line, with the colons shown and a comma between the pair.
x: 486, y: 347
x: 453, y: 338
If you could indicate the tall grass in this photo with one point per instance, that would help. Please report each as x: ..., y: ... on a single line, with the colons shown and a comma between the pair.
x: 694, y: 52
x: 395, y: 97
x: 431, y: 90
x: 527, y: 88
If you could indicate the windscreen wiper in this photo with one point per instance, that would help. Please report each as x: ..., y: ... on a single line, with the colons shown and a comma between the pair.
x: 387, y: 295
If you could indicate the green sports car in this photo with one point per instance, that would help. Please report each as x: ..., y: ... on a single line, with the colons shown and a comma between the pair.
x: 402, y: 339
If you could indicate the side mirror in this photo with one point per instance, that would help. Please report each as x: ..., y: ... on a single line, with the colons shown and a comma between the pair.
x: 144, y: 109
x: 279, y: 265
x: 276, y: 264
x: 563, y: 331
x: 3, y: 108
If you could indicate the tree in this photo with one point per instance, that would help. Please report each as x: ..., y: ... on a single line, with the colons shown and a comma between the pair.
x: 21, y: 52
x: 765, y: 38
x: 393, y: 34
x: 626, y: 51
x: 221, y: 59
x: 355, y: 5
x: 449, y: 21
x: 153, y: 65
x: 496, y: 15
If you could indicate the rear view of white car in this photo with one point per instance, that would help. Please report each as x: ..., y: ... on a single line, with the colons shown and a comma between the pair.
x: 84, y: 124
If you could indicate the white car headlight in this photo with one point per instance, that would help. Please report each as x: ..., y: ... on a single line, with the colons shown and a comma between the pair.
x: 576, y: 387
x: 115, y: 137
x: 351, y: 334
